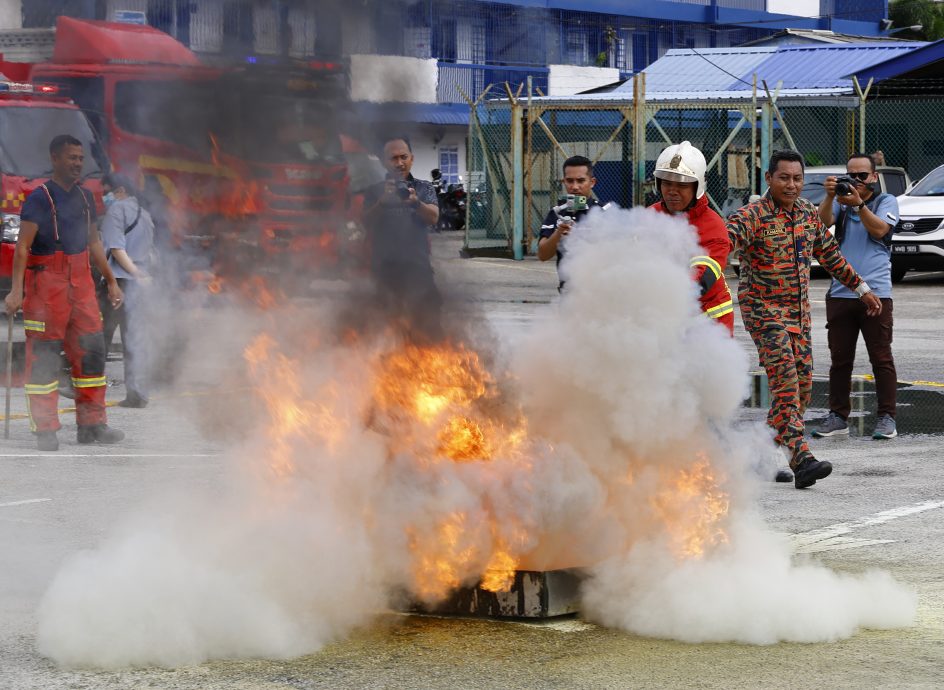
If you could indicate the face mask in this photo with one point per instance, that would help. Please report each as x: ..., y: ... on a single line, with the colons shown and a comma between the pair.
x: 109, y: 198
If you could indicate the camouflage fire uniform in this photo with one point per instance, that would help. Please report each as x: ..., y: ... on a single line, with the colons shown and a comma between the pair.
x: 776, y: 246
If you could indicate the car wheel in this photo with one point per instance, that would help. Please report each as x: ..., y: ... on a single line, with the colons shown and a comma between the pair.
x: 898, y: 272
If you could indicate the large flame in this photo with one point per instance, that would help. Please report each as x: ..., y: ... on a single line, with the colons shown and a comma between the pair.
x: 435, y: 404
x: 693, y: 507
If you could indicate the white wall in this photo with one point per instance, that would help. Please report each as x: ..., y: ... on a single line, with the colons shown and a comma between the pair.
x: 385, y: 78
x: 566, y: 80
x: 798, y: 8
x: 426, y: 142
x: 11, y: 14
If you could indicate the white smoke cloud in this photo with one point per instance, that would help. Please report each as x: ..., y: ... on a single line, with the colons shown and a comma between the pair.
x: 629, y: 393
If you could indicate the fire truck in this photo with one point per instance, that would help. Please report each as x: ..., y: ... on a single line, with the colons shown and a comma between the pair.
x: 250, y: 171
x: 30, y: 116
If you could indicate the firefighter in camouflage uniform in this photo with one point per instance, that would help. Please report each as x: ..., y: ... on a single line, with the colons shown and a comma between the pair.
x: 776, y: 237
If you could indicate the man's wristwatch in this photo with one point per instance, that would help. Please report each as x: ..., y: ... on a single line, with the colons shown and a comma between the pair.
x: 863, y: 289
x: 859, y: 207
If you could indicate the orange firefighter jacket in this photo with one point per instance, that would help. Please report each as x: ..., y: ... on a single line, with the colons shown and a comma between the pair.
x: 708, y: 269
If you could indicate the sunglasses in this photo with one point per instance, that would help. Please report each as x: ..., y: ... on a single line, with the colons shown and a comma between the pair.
x: 861, y: 176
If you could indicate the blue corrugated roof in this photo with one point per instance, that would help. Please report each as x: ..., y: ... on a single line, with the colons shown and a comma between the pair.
x: 428, y: 113
x: 825, y: 67
x: 707, y: 69
x: 725, y: 73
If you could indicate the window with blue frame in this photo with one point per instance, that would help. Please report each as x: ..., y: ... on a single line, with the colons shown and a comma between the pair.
x: 449, y: 163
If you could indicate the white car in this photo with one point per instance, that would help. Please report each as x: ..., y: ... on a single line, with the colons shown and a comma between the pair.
x: 918, y: 242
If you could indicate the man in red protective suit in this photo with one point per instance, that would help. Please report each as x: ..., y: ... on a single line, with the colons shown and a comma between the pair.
x: 58, y: 234
x: 680, y: 179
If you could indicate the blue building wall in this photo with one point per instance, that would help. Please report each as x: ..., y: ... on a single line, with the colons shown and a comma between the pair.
x: 478, y: 42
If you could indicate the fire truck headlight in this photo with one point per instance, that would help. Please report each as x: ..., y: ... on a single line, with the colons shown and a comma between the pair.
x: 11, y: 227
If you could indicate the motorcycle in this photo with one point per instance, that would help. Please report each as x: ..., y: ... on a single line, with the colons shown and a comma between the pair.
x: 452, y: 203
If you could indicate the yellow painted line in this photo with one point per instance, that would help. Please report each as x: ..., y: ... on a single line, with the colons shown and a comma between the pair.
x: 870, y: 377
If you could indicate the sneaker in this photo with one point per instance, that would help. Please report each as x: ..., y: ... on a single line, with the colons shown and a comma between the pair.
x: 885, y: 427
x: 809, y: 469
x: 833, y: 426
x: 133, y: 401
x: 99, y: 433
x: 47, y: 441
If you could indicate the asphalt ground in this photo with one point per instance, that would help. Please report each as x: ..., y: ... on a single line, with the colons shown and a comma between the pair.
x: 882, y: 507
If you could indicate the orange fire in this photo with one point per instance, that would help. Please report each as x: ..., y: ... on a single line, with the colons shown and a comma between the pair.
x: 293, y: 417
x: 693, y: 507
x: 435, y: 405
x: 237, y: 198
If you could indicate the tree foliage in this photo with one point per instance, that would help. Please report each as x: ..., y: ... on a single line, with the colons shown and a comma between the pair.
x: 927, y: 13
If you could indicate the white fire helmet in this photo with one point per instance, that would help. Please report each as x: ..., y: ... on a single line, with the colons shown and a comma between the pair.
x: 683, y: 163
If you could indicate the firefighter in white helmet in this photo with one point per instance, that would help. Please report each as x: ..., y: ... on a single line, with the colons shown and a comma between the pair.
x: 680, y: 180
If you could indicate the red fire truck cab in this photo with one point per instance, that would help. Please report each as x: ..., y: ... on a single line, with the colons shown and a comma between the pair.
x: 248, y: 165
x: 30, y: 116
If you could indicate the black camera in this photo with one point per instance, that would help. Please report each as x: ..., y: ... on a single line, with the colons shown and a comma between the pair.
x: 844, y: 186
x: 402, y: 189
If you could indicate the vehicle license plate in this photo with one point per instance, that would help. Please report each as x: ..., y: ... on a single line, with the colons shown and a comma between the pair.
x: 904, y: 248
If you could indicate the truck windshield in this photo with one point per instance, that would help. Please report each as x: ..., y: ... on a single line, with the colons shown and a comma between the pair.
x: 25, y: 133
x: 286, y: 130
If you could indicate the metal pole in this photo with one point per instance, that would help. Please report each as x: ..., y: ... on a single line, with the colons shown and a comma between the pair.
x: 529, y: 202
x: 862, y: 96
x: 6, y: 416
x: 753, y: 164
x: 517, y: 184
x: 639, y: 137
x: 766, y: 134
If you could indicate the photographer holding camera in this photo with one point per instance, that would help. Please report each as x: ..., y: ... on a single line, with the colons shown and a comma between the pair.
x: 578, y: 181
x: 399, y: 213
x: 864, y: 225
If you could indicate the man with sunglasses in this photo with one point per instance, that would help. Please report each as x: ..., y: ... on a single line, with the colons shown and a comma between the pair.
x: 864, y: 224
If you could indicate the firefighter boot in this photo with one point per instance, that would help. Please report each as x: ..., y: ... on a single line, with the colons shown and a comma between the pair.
x: 99, y: 433
x: 808, y: 469
x: 47, y: 441
x: 783, y: 476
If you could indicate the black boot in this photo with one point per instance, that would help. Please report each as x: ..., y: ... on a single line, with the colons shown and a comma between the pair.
x: 133, y: 401
x: 783, y: 476
x: 47, y: 441
x: 808, y: 469
x: 99, y: 433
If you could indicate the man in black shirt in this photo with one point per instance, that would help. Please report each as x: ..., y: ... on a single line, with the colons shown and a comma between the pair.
x: 399, y: 213
x: 578, y: 180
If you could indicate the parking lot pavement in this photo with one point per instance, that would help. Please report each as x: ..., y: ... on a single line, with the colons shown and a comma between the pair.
x: 883, y: 507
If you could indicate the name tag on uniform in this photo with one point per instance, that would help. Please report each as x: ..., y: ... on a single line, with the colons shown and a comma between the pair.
x: 774, y: 230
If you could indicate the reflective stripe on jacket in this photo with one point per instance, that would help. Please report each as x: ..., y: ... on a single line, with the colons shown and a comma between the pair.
x: 708, y: 269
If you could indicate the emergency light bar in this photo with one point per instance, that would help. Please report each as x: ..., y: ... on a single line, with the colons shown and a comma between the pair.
x: 22, y: 87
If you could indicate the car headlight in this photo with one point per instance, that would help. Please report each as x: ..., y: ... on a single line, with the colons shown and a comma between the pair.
x: 11, y: 227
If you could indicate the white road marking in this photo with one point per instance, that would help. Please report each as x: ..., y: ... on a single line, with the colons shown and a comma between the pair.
x: 832, y: 537
x: 23, y: 503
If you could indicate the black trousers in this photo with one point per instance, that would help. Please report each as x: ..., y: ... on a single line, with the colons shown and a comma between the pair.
x: 845, y: 319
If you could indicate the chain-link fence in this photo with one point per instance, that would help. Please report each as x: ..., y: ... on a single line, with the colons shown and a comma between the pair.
x: 490, y: 162
x: 624, y: 135
x: 907, y: 132
x: 518, y: 146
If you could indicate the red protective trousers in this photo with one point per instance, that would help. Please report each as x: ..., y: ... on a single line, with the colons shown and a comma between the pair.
x: 60, y: 312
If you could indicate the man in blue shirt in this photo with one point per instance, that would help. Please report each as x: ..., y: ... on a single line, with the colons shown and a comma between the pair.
x: 864, y: 225
x: 128, y: 237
